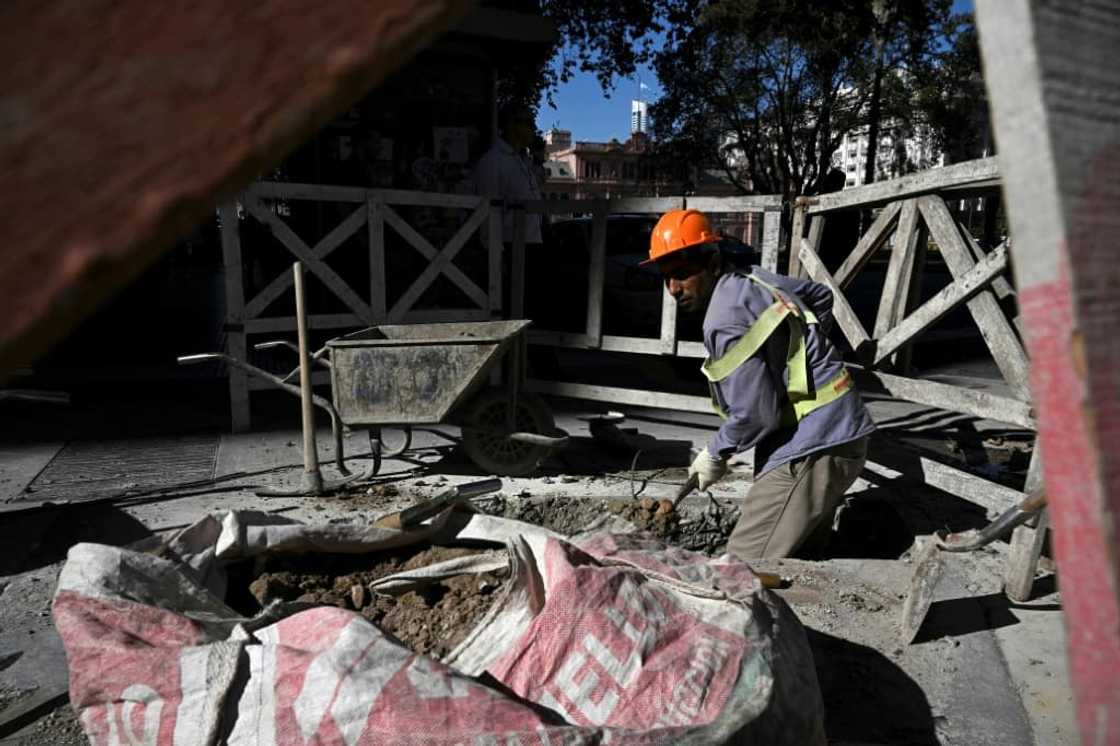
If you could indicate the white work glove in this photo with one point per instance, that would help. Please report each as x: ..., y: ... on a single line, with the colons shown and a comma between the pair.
x: 708, y: 468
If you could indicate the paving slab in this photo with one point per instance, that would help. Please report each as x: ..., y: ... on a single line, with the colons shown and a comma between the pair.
x: 20, y: 463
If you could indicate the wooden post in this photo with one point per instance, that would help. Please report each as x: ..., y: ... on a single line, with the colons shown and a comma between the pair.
x: 1054, y: 90
x: 1027, y: 541
x: 771, y: 226
x: 668, y: 322
x: 903, y: 273
x: 596, y: 275
x: 312, y: 478
x: 797, y: 232
x: 236, y: 342
x: 896, y: 286
x: 378, y: 288
x: 495, y: 246
x: 517, y: 269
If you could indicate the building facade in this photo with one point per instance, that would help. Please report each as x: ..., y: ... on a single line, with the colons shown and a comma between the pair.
x: 901, y: 151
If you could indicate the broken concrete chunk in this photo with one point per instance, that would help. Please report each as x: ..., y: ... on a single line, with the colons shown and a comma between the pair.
x: 269, y: 588
x: 359, y: 596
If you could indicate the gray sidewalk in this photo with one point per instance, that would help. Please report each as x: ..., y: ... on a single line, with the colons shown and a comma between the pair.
x: 975, y: 642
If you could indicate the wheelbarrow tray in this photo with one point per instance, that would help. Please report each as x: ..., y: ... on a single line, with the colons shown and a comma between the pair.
x: 414, y: 374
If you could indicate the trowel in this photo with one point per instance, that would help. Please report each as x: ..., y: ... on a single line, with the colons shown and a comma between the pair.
x: 928, y: 565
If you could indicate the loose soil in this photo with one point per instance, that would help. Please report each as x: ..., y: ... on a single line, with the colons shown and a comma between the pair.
x: 701, y: 528
x: 431, y: 620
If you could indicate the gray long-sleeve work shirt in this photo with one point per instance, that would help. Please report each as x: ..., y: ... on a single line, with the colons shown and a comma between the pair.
x: 755, y: 397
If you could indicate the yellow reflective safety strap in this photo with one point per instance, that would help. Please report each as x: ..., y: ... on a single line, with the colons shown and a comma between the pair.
x: 826, y: 393
x: 797, y: 364
x: 748, y: 344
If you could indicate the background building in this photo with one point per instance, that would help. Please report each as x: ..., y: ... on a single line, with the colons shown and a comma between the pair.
x: 639, y: 117
x: 901, y: 151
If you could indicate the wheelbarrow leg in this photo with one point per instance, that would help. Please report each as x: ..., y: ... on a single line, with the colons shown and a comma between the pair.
x: 374, y: 451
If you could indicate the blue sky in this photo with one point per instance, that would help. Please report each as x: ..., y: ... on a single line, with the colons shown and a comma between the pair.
x: 582, y: 107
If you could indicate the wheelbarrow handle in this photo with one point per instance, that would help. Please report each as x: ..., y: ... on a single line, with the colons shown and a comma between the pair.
x: 319, y: 357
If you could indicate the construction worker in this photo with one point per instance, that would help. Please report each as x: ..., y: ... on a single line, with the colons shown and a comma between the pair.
x: 778, y: 383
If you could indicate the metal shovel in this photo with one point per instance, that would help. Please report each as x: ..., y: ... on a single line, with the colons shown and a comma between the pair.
x: 928, y: 565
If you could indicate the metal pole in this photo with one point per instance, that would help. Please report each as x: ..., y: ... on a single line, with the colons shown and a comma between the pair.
x: 312, y: 478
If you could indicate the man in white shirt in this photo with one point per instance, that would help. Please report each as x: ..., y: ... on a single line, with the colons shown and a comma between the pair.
x: 506, y: 172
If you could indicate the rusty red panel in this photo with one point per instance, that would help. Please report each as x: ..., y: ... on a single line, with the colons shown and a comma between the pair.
x: 123, y: 121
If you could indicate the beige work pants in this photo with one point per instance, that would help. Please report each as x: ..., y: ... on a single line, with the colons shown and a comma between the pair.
x: 792, y: 505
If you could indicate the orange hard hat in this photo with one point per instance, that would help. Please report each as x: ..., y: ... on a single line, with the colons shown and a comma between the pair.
x: 678, y: 230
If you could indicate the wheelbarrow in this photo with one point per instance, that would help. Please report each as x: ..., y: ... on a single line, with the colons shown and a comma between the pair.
x: 418, y: 376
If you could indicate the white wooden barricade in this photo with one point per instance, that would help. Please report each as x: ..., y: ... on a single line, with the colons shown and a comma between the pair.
x: 768, y: 206
x: 373, y: 209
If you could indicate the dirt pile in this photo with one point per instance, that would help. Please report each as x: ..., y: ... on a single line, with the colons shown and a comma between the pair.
x: 656, y: 516
x: 431, y: 620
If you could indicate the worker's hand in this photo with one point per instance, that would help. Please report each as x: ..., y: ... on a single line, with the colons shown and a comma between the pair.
x: 707, y: 468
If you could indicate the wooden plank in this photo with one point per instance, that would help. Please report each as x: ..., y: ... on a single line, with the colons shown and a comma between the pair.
x: 771, y: 241
x: 559, y: 206
x: 517, y: 270
x: 278, y: 324
x: 984, y: 170
x: 378, y: 286
x: 632, y: 397
x: 427, y: 199
x: 668, y: 323
x: 816, y: 232
x: 885, y: 456
x: 902, y: 360
x: 612, y: 343
x: 557, y: 339
x: 900, y: 271
x: 994, y: 325
x: 797, y: 232
x: 494, y: 246
x: 297, y: 191
x: 295, y: 244
x: 235, y: 317
x: 738, y: 203
x: 869, y: 243
x: 948, y: 298
x: 655, y: 205
x: 1027, y: 541
x: 841, y: 309
x: 421, y: 244
x: 329, y: 243
x: 596, y: 275
x: 979, y: 404
x: 441, y: 315
x: 1054, y: 94
x: 438, y: 264
x: 1001, y: 286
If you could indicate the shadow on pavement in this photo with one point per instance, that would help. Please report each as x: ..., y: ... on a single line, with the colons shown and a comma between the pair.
x: 44, y: 536
x: 867, y: 698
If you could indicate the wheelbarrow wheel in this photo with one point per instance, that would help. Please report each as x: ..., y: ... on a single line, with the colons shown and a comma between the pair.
x: 495, y: 453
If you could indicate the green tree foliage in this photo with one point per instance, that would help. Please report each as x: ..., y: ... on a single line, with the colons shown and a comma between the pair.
x: 608, y: 40
x: 952, y: 99
x: 767, y: 89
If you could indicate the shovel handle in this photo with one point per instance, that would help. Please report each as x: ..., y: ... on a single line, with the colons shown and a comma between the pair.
x: 690, y: 484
